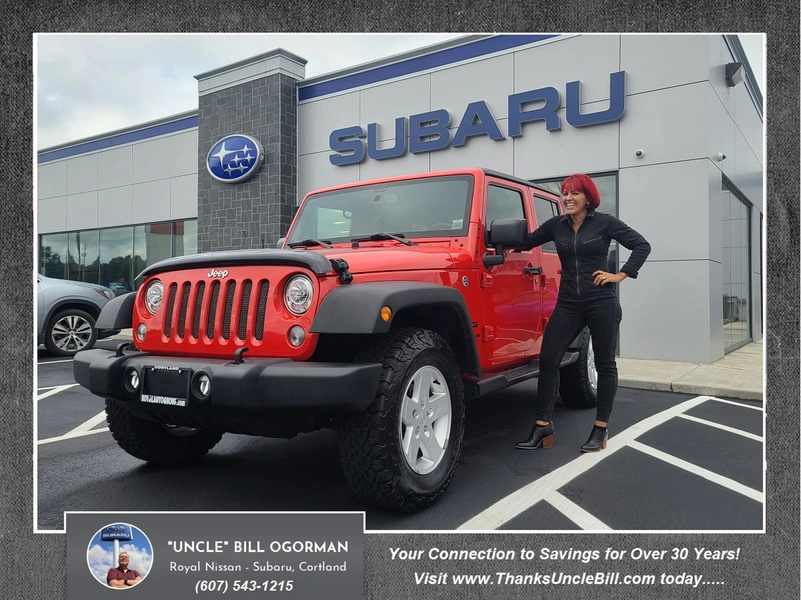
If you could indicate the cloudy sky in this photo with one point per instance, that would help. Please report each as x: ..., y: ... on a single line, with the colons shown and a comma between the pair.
x: 88, y: 84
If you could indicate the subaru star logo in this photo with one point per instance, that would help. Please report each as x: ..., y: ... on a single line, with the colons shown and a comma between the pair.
x: 234, y: 158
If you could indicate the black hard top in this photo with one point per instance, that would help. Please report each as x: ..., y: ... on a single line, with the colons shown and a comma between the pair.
x: 508, y: 177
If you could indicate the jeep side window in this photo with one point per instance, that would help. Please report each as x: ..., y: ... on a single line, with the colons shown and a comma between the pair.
x: 503, y: 203
x: 545, y: 209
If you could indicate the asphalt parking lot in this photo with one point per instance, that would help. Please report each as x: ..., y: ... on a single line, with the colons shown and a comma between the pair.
x: 674, y: 462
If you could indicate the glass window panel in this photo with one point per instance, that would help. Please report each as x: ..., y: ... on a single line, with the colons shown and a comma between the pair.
x: 53, y: 256
x: 545, y: 210
x: 736, y: 269
x: 84, y: 263
x: 140, y: 251
x: 184, y: 238
x: 503, y: 203
x: 116, y: 247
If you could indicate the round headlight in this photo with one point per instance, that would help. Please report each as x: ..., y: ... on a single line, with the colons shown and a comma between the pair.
x: 153, y: 296
x: 298, y: 294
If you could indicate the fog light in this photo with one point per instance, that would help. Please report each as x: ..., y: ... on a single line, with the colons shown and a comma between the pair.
x: 141, y: 332
x: 297, y: 336
x: 132, y: 380
x: 203, y: 385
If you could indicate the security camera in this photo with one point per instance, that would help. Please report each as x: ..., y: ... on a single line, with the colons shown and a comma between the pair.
x: 721, y: 156
x: 639, y: 153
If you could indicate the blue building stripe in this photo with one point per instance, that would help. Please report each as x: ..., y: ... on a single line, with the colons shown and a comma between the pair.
x: 118, y: 140
x: 420, y: 63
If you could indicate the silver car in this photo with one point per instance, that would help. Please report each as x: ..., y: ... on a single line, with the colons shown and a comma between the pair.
x: 66, y: 314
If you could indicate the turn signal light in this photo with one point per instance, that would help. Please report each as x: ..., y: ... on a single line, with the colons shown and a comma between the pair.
x: 386, y: 313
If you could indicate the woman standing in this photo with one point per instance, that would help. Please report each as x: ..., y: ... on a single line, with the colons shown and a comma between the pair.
x: 587, y: 297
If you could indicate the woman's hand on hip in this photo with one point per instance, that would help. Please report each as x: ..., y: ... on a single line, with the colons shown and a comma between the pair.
x: 602, y: 277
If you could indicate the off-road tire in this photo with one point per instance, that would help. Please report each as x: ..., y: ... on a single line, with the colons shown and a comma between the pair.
x: 370, y: 441
x: 82, y: 317
x: 153, y: 442
x: 574, y: 380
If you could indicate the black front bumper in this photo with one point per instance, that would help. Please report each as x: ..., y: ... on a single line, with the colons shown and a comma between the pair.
x: 256, y: 384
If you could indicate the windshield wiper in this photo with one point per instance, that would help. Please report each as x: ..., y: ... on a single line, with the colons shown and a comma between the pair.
x: 311, y: 242
x: 384, y: 236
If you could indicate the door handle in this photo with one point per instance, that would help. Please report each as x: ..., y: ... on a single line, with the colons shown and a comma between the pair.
x: 533, y: 270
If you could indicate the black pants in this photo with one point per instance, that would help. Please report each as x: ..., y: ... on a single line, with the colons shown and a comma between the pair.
x: 603, y: 317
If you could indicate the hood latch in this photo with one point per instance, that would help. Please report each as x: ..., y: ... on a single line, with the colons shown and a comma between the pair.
x: 341, y: 268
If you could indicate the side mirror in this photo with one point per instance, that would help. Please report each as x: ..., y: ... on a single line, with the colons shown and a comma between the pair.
x: 505, y: 233
x: 511, y: 233
x: 280, y: 242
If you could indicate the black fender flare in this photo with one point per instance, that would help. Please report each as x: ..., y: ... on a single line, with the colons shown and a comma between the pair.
x: 356, y: 309
x: 117, y: 313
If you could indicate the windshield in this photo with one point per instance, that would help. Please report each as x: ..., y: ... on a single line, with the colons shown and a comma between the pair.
x: 431, y: 207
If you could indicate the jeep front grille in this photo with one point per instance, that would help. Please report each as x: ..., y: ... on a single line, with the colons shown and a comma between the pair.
x: 187, y: 302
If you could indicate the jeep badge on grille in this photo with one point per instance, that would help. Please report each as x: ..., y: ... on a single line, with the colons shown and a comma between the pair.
x: 215, y: 273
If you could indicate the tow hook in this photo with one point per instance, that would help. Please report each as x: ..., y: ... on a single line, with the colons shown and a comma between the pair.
x: 341, y: 268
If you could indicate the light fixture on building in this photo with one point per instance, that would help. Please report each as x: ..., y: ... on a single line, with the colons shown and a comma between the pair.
x: 735, y: 73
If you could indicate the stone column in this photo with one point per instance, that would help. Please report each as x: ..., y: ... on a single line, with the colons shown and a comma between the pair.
x: 256, y: 97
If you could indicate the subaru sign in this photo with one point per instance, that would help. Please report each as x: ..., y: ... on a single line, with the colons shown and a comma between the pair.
x: 118, y: 531
x: 427, y: 132
x: 234, y: 158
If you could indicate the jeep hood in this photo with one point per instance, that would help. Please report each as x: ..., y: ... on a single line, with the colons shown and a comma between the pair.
x: 360, y: 260
x: 368, y: 259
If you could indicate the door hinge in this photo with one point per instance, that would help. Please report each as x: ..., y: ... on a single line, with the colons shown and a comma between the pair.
x: 488, y: 334
x: 486, y: 280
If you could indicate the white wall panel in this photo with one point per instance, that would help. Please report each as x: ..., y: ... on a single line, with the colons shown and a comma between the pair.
x: 51, y: 215
x: 747, y: 120
x: 670, y: 313
x: 745, y: 171
x: 719, y: 56
x: 151, y: 201
x: 669, y: 125
x: 82, y: 211
x: 539, y: 153
x: 669, y: 205
x: 656, y: 62
x: 490, y: 80
x: 721, y: 133
x: 115, y: 206
x: 317, y: 119
x: 82, y: 174
x: 479, y: 151
x: 183, y: 153
x: 382, y: 104
x: 151, y: 160
x: 315, y: 172
x: 409, y: 163
x: 115, y: 167
x: 51, y: 179
x: 183, y: 197
x: 586, y: 58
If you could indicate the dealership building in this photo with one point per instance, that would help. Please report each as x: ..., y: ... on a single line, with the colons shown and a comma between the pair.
x: 670, y: 127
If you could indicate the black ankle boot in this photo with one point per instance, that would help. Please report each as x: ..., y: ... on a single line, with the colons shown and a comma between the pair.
x: 596, y: 441
x: 541, y: 435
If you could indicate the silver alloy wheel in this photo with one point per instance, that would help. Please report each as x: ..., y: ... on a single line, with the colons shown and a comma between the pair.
x: 592, y: 371
x: 71, y: 333
x: 425, y: 423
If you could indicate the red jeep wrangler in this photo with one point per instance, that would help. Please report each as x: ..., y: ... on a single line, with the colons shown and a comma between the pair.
x: 389, y: 303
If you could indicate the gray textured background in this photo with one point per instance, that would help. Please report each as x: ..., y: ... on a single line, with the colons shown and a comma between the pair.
x: 769, y: 564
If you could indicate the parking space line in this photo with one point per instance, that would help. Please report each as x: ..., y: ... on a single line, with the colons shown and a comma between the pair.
x: 705, y: 473
x: 759, y: 408
x: 508, y: 508
x: 54, y: 391
x: 750, y: 436
x: 85, y: 428
x: 575, y: 513
x: 53, y: 362
x: 61, y: 438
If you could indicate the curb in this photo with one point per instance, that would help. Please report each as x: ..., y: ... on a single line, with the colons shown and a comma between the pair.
x: 698, y: 390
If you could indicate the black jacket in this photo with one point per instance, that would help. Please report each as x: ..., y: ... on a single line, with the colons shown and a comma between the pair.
x: 585, y: 252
